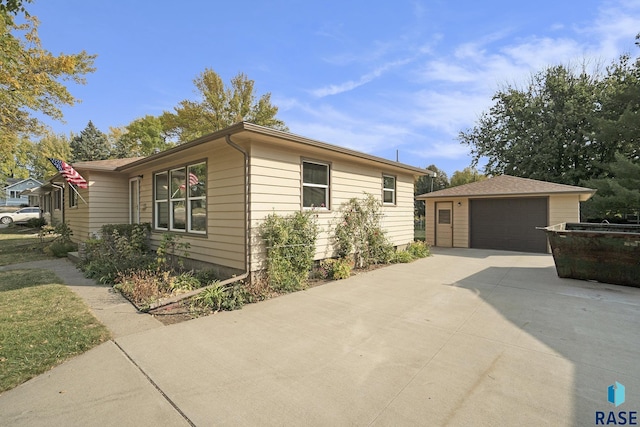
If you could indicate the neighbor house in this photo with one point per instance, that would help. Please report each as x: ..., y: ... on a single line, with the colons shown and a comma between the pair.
x: 502, y: 213
x: 12, y: 193
x: 215, y: 192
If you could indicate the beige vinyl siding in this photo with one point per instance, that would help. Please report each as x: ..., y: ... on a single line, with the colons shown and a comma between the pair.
x: 77, y: 217
x: 276, y: 187
x: 460, y: 221
x: 564, y: 208
x: 107, y: 202
x: 224, y: 242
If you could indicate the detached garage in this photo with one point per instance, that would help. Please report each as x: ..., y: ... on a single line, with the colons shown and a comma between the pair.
x: 500, y: 213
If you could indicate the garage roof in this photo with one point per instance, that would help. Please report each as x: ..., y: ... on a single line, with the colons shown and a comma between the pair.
x: 506, y: 185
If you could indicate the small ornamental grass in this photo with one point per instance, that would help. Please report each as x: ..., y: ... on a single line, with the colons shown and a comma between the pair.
x: 42, y: 324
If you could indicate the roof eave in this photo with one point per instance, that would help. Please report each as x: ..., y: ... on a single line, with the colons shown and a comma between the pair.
x: 588, y: 193
x: 261, y: 130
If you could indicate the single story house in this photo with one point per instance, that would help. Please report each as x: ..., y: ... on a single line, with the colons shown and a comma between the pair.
x: 215, y: 192
x: 12, y: 193
x: 501, y: 212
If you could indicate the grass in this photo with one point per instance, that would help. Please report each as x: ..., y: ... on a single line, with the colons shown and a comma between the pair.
x: 42, y: 322
x: 20, y: 244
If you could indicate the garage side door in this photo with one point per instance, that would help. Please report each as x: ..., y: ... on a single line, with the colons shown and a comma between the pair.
x: 508, y: 224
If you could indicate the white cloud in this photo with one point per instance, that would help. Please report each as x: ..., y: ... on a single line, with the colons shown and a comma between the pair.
x: 364, y: 79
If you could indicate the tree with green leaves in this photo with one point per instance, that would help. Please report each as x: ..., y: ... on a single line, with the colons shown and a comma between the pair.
x: 31, y: 78
x: 564, y: 126
x: 618, y: 192
x: 220, y: 106
x: 48, y: 146
x: 466, y: 176
x: 427, y: 184
x: 91, y: 144
x: 544, y: 131
x: 142, y: 137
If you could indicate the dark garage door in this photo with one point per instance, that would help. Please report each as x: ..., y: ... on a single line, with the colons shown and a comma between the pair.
x: 508, y: 224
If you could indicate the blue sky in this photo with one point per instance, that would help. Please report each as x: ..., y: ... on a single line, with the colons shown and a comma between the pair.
x: 375, y: 76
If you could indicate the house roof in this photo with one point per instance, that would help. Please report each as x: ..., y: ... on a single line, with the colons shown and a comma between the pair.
x: 11, y: 182
x: 506, y: 185
x: 105, y: 165
x: 265, y: 131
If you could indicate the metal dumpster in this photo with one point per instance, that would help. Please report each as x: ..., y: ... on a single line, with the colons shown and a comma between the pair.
x: 608, y: 253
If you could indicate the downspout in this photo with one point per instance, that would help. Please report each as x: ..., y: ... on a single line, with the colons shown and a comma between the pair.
x: 247, y: 200
x: 247, y: 235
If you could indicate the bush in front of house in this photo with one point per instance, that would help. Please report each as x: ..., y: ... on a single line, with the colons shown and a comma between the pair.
x: 419, y: 249
x: 358, y: 232
x: 121, y: 248
x: 290, y: 243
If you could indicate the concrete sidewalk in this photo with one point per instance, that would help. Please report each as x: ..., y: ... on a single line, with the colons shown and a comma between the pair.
x: 466, y: 337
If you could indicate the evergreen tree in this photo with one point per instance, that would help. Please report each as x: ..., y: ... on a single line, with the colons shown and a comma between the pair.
x: 618, y: 192
x: 91, y: 144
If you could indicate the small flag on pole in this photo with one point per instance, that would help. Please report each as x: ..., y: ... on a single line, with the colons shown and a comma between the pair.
x: 69, y: 173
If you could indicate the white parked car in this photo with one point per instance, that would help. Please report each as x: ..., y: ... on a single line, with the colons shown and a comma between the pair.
x: 21, y: 215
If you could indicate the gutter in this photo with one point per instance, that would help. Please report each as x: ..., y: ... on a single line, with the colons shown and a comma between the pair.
x: 247, y: 236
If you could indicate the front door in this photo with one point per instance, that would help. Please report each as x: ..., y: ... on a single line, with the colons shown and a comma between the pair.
x: 134, y: 201
x: 444, y: 224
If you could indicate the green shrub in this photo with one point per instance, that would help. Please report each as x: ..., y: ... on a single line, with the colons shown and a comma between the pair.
x: 211, y: 298
x: 358, y: 232
x: 121, y: 248
x: 402, y: 257
x: 419, y: 249
x: 184, y: 282
x: 36, y: 222
x: 291, y: 244
x: 335, y: 269
x: 341, y: 269
x: 60, y: 249
x: 207, y: 276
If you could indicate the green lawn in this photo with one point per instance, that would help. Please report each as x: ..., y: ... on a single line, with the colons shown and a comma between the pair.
x: 20, y: 244
x: 42, y: 322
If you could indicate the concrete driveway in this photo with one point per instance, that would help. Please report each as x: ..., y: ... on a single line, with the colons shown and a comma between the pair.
x: 466, y: 337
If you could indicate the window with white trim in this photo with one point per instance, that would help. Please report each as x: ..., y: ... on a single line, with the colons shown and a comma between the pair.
x: 315, y: 185
x: 180, y: 199
x: 56, y: 195
x: 388, y: 189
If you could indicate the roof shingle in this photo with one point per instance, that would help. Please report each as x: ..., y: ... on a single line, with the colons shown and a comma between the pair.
x: 505, y: 185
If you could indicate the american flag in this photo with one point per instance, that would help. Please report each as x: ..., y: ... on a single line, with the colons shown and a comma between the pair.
x: 69, y: 173
x: 193, y: 180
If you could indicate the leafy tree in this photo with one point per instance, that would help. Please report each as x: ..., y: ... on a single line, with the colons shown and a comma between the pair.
x: 542, y: 132
x: 49, y: 146
x: 466, y: 176
x: 91, y: 144
x: 427, y: 184
x: 219, y: 107
x: 618, y: 191
x: 142, y: 137
x: 15, y: 163
x: 564, y: 127
x: 31, y: 77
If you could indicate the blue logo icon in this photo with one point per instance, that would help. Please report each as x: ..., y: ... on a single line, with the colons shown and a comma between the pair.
x: 616, y: 394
